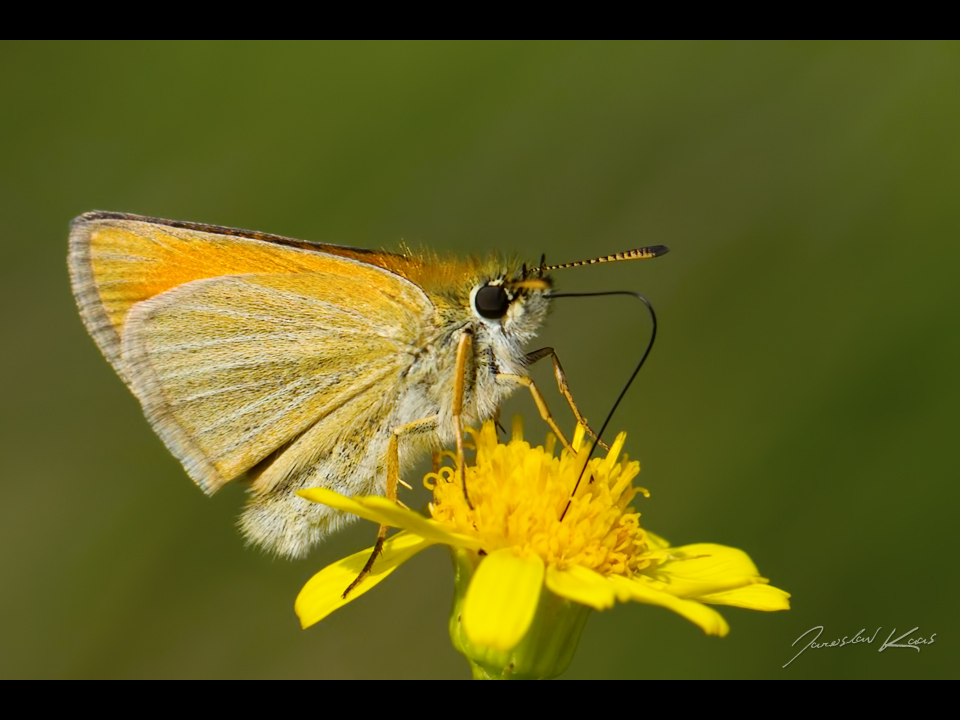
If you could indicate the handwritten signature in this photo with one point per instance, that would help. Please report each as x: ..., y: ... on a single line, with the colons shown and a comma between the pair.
x: 913, y: 643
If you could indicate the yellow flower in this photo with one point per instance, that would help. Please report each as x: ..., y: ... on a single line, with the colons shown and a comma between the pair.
x: 537, y: 550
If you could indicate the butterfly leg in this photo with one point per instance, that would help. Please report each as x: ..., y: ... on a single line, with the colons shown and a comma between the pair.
x: 464, y: 347
x: 393, y: 480
x: 563, y: 386
x: 540, y: 402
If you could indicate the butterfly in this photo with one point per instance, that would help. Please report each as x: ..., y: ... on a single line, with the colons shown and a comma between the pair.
x: 298, y: 364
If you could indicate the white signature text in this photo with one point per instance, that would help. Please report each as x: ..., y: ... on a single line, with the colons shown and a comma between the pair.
x: 891, y: 642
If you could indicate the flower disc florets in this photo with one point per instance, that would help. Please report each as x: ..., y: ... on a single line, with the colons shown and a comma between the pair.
x: 551, y: 507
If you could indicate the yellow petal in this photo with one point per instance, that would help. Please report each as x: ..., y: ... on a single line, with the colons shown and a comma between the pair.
x: 706, y: 569
x: 323, y: 593
x: 655, y: 541
x: 722, y: 560
x: 709, y: 620
x: 581, y: 585
x: 386, y: 512
x: 396, y: 516
x: 752, y: 597
x: 338, y: 502
x: 502, y: 599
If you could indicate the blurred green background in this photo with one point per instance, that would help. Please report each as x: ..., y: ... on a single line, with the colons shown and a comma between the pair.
x: 801, y: 402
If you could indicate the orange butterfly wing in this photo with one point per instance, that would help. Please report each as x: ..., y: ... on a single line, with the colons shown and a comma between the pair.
x: 234, y: 342
x: 117, y: 260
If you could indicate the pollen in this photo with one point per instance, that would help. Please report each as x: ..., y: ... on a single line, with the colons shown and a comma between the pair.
x: 567, y: 510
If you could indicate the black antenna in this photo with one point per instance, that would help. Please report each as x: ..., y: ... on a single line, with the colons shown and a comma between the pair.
x: 653, y: 336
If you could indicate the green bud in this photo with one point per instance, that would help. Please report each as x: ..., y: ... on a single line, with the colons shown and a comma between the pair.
x: 544, y: 652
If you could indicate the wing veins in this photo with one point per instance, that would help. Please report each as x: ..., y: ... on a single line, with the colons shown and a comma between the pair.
x: 297, y: 401
x: 218, y: 391
x: 251, y: 406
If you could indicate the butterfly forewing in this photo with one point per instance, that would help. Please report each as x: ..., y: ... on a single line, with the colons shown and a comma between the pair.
x: 235, y: 349
x: 117, y: 261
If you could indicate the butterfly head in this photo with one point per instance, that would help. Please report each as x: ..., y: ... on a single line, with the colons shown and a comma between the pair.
x: 513, y: 303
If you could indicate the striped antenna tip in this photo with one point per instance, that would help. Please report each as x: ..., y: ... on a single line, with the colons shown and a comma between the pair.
x: 643, y: 253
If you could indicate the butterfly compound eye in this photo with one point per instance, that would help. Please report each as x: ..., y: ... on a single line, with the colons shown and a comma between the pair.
x: 491, y: 302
